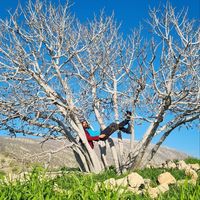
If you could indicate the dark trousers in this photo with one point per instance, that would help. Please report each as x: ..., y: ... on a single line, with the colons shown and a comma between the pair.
x: 114, y: 127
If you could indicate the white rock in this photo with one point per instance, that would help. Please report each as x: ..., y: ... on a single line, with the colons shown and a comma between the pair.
x: 122, y: 182
x: 135, y: 180
x: 148, y: 166
x: 182, y: 165
x: 171, y: 165
x: 110, y: 183
x: 154, y: 192
x: 120, y: 190
x: 163, y: 188
x: 147, y: 183
x: 195, y: 167
x: 192, y: 173
x: 166, y: 178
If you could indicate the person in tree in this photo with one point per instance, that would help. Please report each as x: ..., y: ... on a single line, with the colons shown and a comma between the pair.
x: 105, y: 134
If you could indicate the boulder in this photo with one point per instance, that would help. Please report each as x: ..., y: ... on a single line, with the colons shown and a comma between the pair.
x: 191, y: 173
x: 182, y: 165
x: 120, y: 190
x: 163, y: 188
x: 171, y: 165
x: 110, y: 183
x: 147, y: 183
x: 166, y: 178
x: 135, y: 180
x: 154, y: 192
x: 122, y: 182
x: 195, y: 167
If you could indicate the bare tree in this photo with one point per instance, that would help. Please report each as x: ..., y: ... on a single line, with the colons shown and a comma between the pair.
x: 54, y: 70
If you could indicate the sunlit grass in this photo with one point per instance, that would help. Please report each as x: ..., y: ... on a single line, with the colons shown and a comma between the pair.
x: 75, y: 185
x: 192, y: 160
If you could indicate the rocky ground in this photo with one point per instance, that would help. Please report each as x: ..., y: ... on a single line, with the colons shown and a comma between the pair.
x: 137, y: 184
x: 18, y: 154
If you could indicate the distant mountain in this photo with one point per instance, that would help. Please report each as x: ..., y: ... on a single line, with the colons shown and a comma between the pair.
x: 18, y: 154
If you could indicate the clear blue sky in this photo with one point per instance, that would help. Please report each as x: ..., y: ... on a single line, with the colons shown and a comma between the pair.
x: 131, y: 13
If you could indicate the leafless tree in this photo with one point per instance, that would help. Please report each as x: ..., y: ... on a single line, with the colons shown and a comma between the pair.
x: 54, y: 70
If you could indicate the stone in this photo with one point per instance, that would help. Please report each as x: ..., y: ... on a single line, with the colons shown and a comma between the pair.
x: 147, y: 183
x: 110, y: 183
x: 122, y: 182
x: 166, y: 178
x: 154, y: 192
x: 120, y: 190
x: 182, y: 165
x: 171, y: 165
x: 163, y: 188
x: 157, y: 166
x: 191, y: 173
x: 195, y: 167
x: 160, y: 166
x: 135, y: 180
x: 148, y: 166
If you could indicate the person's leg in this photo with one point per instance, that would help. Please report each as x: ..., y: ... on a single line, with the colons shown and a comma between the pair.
x: 127, y: 119
x: 126, y: 130
x: 114, y: 126
x: 109, y: 130
x: 123, y: 123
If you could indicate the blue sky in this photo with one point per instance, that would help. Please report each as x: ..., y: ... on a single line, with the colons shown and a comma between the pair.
x: 131, y: 13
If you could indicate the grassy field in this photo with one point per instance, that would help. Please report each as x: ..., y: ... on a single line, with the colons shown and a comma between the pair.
x: 79, y: 186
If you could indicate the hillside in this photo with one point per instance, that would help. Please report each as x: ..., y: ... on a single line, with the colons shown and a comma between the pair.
x: 18, y: 154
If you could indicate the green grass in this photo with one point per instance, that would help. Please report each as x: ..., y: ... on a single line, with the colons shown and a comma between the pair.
x: 68, y: 186
x: 75, y: 185
x: 192, y: 160
x: 183, y: 192
x: 2, y: 174
x: 152, y: 174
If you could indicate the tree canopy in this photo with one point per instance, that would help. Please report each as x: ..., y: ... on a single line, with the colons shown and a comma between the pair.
x: 55, y: 70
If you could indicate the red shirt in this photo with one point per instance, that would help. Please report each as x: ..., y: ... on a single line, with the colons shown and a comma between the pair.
x: 91, y: 138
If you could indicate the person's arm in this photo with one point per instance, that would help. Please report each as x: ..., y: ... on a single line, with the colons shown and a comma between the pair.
x: 93, y: 133
x: 91, y: 138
